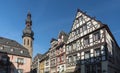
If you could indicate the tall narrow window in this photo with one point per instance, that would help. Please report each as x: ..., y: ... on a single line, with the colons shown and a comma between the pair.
x: 97, y: 52
x: 75, y: 58
x: 70, y: 59
x: 86, y: 41
x: 96, y: 36
x: 81, y: 29
x: 87, y: 55
x: 81, y: 20
x: 27, y: 42
x: 77, y: 32
x: 74, y: 46
x: 24, y: 41
x: 84, y: 27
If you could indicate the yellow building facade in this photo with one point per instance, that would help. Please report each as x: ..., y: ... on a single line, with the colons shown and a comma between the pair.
x: 42, y: 66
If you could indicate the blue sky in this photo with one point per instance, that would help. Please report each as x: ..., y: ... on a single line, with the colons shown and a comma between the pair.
x: 51, y: 16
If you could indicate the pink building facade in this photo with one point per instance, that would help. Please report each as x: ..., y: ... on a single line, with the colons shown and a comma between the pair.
x: 14, y: 58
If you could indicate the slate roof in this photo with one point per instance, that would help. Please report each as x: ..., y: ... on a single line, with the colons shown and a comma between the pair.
x: 12, y: 47
x: 38, y: 56
x: 64, y: 34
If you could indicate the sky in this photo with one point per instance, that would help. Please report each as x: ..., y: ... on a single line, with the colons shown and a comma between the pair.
x: 49, y: 17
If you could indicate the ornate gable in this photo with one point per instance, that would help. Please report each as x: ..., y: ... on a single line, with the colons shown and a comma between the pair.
x: 83, y: 19
x: 83, y: 24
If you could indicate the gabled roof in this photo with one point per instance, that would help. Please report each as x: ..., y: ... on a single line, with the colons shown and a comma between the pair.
x: 53, y: 39
x: 62, y: 33
x: 38, y: 56
x: 12, y: 47
x: 88, y: 16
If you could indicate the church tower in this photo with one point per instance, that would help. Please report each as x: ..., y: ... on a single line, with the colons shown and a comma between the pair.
x: 28, y: 35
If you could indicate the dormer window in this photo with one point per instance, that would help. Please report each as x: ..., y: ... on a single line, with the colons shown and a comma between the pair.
x: 11, y: 50
x: 21, y: 51
x: 1, y: 47
x: 20, y: 60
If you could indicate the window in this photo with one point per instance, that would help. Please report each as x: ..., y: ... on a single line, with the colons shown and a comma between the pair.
x: 77, y: 32
x: 78, y: 45
x: 27, y: 42
x: 75, y: 58
x: 1, y: 47
x: 84, y: 27
x: 62, y: 58
x: 24, y: 41
x: 86, y: 41
x: 97, y: 52
x: 20, y: 60
x: 70, y: 59
x: 87, y: 55
x: 81, y: 21
x: 73, y: 33
x: 81, y: 29
x: 96, y: 36
x: 20, y: 70
x: 21, y: 51
x: 11, y: 50
x: 4, y: 58
x: 69, y: 48
x: 58, y: 59
x: 76, y: 21
x: 74, y: 46
x: 93, y: 68
x: 47, y: 63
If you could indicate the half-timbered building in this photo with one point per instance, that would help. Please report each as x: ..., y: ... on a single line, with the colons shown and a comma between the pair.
x: 60, y: 52
x: 91, y: 47
x: 53, y: 55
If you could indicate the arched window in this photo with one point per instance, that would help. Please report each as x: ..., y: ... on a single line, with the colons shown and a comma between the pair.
x: 28, y: 42
x: 24, y: 41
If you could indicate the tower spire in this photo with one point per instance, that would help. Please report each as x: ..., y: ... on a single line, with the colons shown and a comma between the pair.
x: 28, y: 34
x: 28, y: 20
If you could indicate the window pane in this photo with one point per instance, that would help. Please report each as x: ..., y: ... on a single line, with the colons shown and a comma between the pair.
x: 96, y: 36
x: 86, y: 41
x: 84, y: 27
x: 87, y: 55
x: 97, y: 52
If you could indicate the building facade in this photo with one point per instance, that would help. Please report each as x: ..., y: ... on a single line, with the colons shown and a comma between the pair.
x: 47, y: 63
x: 61, y: 52
x: 36, y: 63
x: 42, y: 66
x: 53, y: 56
x: 91, y: 47
x: 14, y: 58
